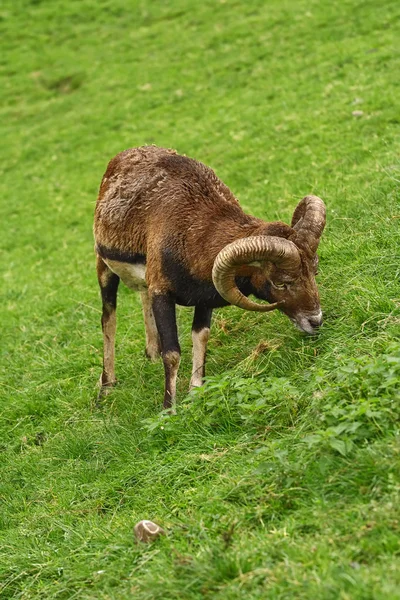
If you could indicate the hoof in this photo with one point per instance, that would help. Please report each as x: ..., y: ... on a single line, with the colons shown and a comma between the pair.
x: 195, y: 384
x: 105, y: 388
x: 152, y: 353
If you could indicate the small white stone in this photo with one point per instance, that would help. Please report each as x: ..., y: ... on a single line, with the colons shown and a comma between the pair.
x: 147, y: 531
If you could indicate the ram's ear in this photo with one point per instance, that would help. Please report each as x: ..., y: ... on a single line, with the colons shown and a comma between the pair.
x: 308, y: 221
x: 256, y: 263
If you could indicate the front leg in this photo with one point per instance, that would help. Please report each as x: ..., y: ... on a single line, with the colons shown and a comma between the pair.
x: 163, y: 306
x: 200, y: 335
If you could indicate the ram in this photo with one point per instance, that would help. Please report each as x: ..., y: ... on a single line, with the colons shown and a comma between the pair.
x: 167, y: 226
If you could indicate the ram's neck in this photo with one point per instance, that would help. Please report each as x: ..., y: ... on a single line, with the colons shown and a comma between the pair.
x: 276, y: 228
x: 210, y: 241
x: 229, y: 231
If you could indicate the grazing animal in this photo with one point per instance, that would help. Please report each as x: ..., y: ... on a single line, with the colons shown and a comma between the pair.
x: 168, y: 227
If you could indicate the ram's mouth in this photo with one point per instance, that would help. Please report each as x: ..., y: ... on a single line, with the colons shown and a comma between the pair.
x: 308, y: 323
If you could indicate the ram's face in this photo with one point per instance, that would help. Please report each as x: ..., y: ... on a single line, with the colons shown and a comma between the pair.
x: 299, y: 295
x: 295, y: 292
x: 281, y: 265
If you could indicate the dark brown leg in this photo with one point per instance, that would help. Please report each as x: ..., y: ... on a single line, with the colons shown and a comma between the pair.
x: 163, y: 306
x: 152, y: 337
x: 108, y: 282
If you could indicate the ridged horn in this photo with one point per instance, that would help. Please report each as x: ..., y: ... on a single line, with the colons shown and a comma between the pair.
x: 246, y: 251
x: 308, y: 221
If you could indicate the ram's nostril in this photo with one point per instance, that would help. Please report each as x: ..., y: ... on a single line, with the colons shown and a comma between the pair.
x: 315, y: 322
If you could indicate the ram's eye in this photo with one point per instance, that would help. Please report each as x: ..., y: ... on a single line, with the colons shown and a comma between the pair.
x: 280, y: 286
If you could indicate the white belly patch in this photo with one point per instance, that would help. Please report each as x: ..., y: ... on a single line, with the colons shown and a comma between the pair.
x: 134, y: 276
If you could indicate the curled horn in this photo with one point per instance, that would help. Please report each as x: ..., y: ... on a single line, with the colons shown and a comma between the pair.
x: 248, y: 251
x: 308, y: 221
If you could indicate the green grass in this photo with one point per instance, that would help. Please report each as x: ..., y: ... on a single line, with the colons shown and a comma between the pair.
x: 281, y: 478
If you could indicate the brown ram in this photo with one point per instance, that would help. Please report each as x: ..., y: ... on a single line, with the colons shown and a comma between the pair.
x: 167, y: 226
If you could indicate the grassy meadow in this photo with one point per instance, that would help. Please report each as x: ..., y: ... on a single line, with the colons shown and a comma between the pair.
x: 281, y: 477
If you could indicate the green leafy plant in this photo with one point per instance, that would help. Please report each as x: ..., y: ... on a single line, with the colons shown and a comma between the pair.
x: 358, y: 402
x: 225, y: 403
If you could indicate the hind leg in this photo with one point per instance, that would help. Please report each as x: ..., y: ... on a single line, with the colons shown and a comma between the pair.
x: 153, y: 347
x: 108, y: 282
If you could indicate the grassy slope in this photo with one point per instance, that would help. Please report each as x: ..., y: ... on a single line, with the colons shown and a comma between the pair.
x: 282, y: 479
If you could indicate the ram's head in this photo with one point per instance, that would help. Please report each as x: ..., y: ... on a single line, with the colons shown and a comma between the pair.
x: 282, y: 270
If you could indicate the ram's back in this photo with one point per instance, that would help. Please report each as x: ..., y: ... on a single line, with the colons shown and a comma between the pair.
x: 149, y: 194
